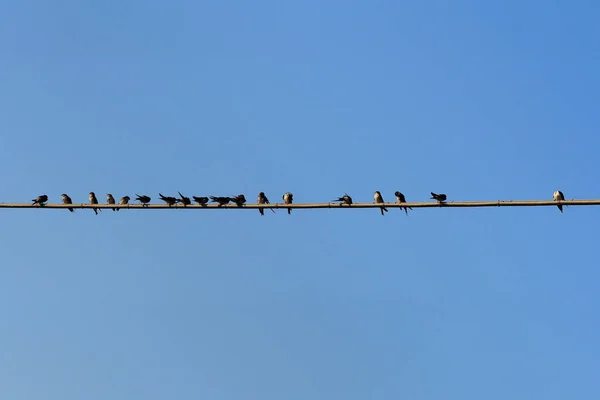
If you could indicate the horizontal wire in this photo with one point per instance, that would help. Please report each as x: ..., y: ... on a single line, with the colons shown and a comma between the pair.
x: 496, y: 203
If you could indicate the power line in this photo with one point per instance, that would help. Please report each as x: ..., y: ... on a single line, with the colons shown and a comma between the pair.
x: 459, y: 204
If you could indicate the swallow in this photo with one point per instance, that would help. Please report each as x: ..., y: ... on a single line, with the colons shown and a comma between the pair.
x: 379, y: 199
x: 124, y: 200
x: 40, y: 200
x: 184, y: 200
x: 200, y: 200
x: 401, y: 199
x: 439, y: 197
x: 221, y: 200
x: 239, y: 200
x: 67, y: 200
x: 288, y: 198
x: 559, y: 196
x: 94, y: 200
x: 143, y: 199
x: 110, y: 200
x: 169, y: 200
x: 345, y: 199
x: 262, y: 199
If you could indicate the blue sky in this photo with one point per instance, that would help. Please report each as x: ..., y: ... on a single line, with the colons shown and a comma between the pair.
x: 478, y: 100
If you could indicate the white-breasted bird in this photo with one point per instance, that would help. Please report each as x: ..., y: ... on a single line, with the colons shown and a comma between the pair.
x: 94, y: 200
x: 110, y: 200
x: 401, y: 199
x: 67, y: 200
x: 124, y: 200
x: 262, y: 199
x: 559, y: 196
x: 379, y: 199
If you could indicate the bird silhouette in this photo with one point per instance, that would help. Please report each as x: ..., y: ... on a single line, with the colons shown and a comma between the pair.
x: 200, y: 200
x: 40, y: 200
x: 184, y: 200
x: 221, y: 200
x: 439, y: 197
x: 168, y: 199
x: 239, y: 200
x: 345, y: 199
x: 379, y: 199
x: 143, y: 199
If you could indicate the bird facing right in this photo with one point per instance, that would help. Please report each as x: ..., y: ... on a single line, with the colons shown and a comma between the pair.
x: 559, y: 196
x: 124, y: 200
x: 440, y: 198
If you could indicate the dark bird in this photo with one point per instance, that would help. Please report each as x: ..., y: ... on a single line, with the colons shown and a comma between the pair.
x: 110, y: 200
x: 379, y: 200
x: 143, y: 199
x: 169, y: 200
x: 401, y: 199
x: 262, y: 199
x: 288, y: 198
x: 40, y: 200
x: 200, y: 200
x: 94, y: 200
x: 67, y: 200
x: 345, y: 199
x: 184, y: 200
x: 124, y: 200
x: 439, y: 197
x: 222, y: 200
x: 239, y: 200
x: 559, y: 196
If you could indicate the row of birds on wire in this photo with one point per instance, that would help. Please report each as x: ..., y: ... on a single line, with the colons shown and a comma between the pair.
x: 240, y: 200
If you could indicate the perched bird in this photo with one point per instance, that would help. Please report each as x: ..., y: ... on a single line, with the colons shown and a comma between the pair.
x: 124, y: 200
x: 379, y: 199
x: 169, y: 200
x: 67, y: 200
x: 439, y: 197
x: 94, y: 200
x: 222, y: 200
x: 345, y: 199
x: 110, y: 200
x: 559, y: 196
x: 288, y: 198
x: 401, y: 199
x: 239, y: 200
x: 143, y: 199
x: 184, y: 200
x: 200, y: 200
x: 40, y: 200
x: 262, y: 199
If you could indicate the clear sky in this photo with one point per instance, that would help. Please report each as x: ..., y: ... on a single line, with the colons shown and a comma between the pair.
x: 478, y: 100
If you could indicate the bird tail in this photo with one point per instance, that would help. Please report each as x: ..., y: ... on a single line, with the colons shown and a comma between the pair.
x: 289, y: 211
x: 262, y: 211
x: 560, y: 207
